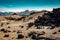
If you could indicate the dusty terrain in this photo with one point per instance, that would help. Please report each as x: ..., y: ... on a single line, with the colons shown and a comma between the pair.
x: 15, y: 27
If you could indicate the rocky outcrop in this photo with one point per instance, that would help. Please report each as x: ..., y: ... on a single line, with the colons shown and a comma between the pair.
x: 49, y: 19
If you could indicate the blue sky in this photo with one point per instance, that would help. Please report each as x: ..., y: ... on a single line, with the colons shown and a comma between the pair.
x: 20, y: 5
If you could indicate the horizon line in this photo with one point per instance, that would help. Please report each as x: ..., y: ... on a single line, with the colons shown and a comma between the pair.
x: 21, y: 10
x: 4, y: 9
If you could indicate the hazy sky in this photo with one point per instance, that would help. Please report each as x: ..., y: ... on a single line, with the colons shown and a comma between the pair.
x: 20, y: 5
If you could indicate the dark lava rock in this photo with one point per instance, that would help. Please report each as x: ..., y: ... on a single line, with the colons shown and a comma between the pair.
x: 30, y: 24
x: 36, y: 36
x: 6, y: 35
x: 14, y: 30
x: 58, y: 30
x: 9, y: 31
x: 55, y: 33
x: 26, y: 36
x: 21, y: 26
x: 31, y: 33
x: 20, y: 36
x: 52, y: 26
x: 8, y: 26
x: 48, y: 19
x: 33, y: 37
x: 4, y: 30
x: 7, y: 23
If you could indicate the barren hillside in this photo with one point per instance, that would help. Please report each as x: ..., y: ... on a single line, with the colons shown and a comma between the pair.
x: 36, y: 26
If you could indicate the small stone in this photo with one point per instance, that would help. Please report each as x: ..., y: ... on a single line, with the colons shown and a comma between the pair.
x: 55, y: 33
x: 20, y: 36
x: 58, y: 30
x: 6, y: 35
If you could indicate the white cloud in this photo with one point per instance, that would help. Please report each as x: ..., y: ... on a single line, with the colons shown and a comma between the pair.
x: 23, y: 9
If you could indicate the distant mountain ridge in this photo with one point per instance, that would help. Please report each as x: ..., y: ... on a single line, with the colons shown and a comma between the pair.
x: 5, y: 13
x: 26, y: 12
